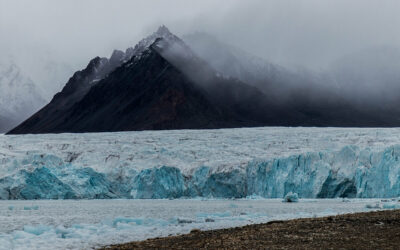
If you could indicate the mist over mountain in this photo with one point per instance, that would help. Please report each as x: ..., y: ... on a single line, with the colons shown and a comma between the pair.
x: 162, y: 83
x: 370, y: 77
x: 367, y: 80
x: 19, y: 96
x: 323, y: 60
x: 27, y: 84
x: 234, y: 62
x: 277, y: 82
x: 50, y: 77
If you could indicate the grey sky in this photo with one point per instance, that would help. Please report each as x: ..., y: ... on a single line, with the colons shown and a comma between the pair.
x: 310, y: 33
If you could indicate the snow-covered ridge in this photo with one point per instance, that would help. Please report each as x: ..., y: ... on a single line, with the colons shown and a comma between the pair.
x: 267, y: 162
x: 19, y: 93
x: 119, y: 57
x: 144, y: 44
x: 19, y: 96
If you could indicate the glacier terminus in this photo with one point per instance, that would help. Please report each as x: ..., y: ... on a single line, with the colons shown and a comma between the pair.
x: 227, y: 163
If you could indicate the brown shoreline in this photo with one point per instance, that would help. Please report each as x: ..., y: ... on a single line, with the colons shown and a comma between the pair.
x: 372, y: 230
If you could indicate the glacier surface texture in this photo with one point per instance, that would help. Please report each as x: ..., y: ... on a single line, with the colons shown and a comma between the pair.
x: 229, y: 163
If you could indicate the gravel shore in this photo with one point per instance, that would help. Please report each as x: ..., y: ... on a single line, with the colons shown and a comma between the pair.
x: 372, y: 230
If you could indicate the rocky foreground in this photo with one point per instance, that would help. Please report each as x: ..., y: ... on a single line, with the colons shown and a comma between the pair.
x: 373, y: 230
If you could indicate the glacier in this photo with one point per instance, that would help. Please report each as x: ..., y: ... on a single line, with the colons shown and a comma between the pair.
x: 229, y: 163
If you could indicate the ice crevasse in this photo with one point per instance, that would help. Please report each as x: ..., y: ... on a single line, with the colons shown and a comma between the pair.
x: 350, y: 172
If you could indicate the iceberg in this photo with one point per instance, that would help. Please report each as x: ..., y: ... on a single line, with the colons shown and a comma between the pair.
x: 291, y: 197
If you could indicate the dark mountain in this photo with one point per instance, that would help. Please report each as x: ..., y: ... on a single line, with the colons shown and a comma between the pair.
x: 165, y: 86
x: 162, y: 84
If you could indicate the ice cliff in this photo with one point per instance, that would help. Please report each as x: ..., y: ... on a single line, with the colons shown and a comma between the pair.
x: 349, y: 172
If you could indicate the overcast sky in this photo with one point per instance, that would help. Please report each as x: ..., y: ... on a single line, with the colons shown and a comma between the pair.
x: 310, y: 33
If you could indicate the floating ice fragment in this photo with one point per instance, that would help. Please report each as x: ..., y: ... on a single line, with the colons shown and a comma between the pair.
x: 185, y: 221
x: 291, y: 197
x: 208, y: 215
x: 391, y: 206
x: 232, y: 205
x: 36, y: 230
x: 254, y: 197
x: 35, y: 207
x: 377, y: 205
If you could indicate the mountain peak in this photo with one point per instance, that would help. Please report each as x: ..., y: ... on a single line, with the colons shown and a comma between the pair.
x: 163, y: 30
x: 117, y: 56
x: 144, y: 44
